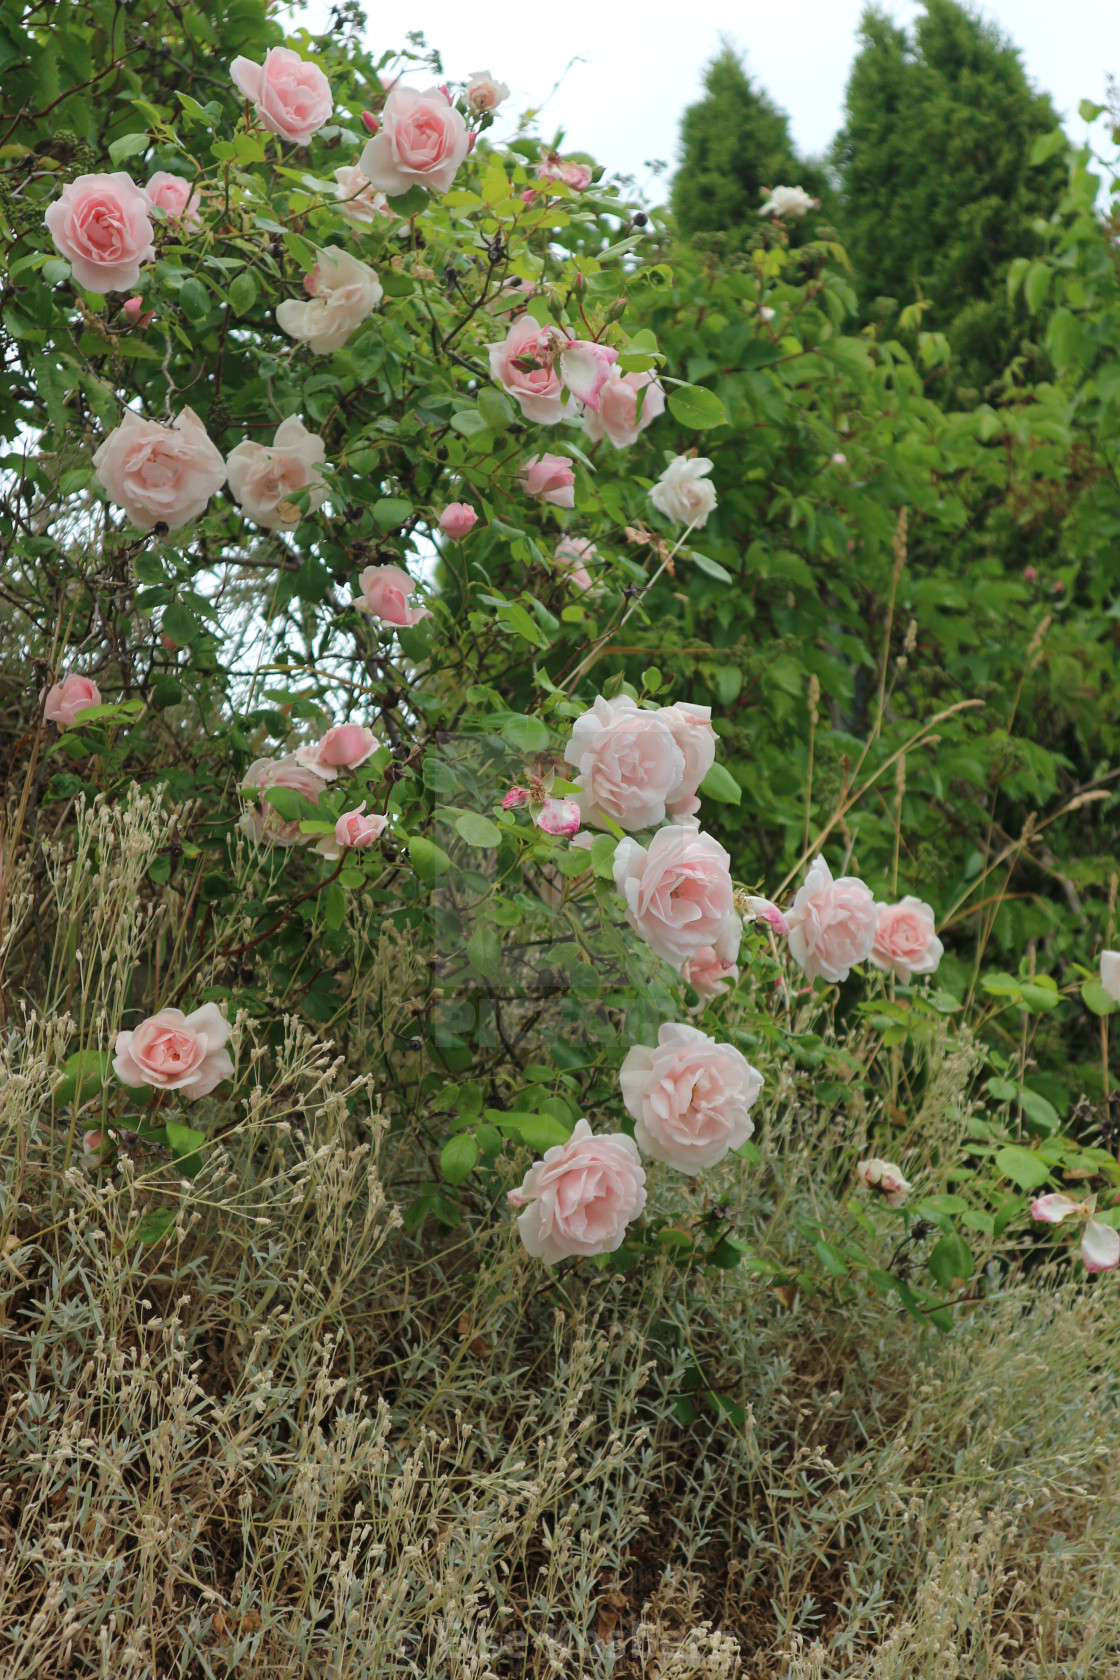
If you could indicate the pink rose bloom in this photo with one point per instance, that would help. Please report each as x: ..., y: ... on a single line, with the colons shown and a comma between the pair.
x: 1110, y: 974
x: 629, y: 766
x: 356, y: 198
x: 906, y: 941
x: 1100, y: 1244
x: 580, y: 1198
x: 691, y: 729
x: 291, y: 97
x: 160, y: 474
x: 484, y: 92
x: 690, y: 1098
x: 761, y: 910
x: 831, y: 924
x: 572, y: 554
x: 421, y: 142
x: 342, y: 748
x: 176, y: 196
x: 386, y: 591
x: 354, y: 828
x: 134, y: 310
x: 885, y: 1176
x: 100, y: 224
x: 262, y: 477
x: 617, y: 418
x: 558, y: 816
x: 585, y: 368
x: 679, y: 895
x: 343, y: 293
x: 516, y: 798
x: 69, y: 697
x: 552, y: 167
x: 551, y: 478
x: 523, y: 365
x: 458, y: 520
x: 176, y: 1052
x: 708, y: 975
x: 263, y: 821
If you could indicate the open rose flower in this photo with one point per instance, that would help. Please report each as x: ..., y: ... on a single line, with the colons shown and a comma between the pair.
x: 523, y: 364
x: 160, y: 474
x: 679, y: 894
x: 353, y: 831
x: 831, y: 924
x: 421, y: 142
x: 708, y: 975
x: 356, y: 198
x: 585, y: 368
x: 176, y: 1052
x: 683, y: 493
x: 484, y: 92
x: 100, y: 224
x: 884, y: 1176
x: 69, y: 697
x: 581, y: 1197
x: 386, y: 591
x: 617, y: 418
x: 690, y: 1098
x: 788, y: 201
x: 573, y: 555
x: 551, y: 478
x: 628, y: 764
x: 344, y: 747
x: 458, y: 520
x: 1100, y: 1244
x: 291, y: 97
x: 175, y: 196
x: 691, y: 728
x: 1110, y: 974
x: 263, y: 821
x: 344, y: 292
x: 906, y: 939
x: 263, y: 477
x: 577, y: 176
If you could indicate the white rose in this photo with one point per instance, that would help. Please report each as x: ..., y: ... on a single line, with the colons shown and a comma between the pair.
x: 263, y: 477
x: 343, y: 292
x: 484, y: 92
x: 683, y: 493
x: 788, y: 201
x: 356, y: 197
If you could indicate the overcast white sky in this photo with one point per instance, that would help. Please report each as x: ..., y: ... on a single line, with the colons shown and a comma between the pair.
x: 642, y: 60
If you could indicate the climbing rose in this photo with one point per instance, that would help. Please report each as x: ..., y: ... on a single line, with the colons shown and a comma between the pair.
x: 484, y: 92
x: 343, y: 292
x: 550, y: 477
x: 176, y: 196
x: 356, y: 198
x: 572, y: 555
x: 160, y: 474
x: 262, y: 476
x: 263, y: 821
x: 831, y: 924
x: 100, y: 224
x: 176, y: 1052
x: 458, y: 520
x: 761, y: 910
x: 691, y: 728
x: 421, y: 142
x: 787, y: 201
x: 616, y: 418
x: 679, y: 895
x: 629, y: 766
x: 354, y: 830
x: 558, y: 816
x: 344, y: 747
x: 1100, y: 1244
x: 876, y: 1174
x: 578, y: 176
x: 683, y: 492
x: 386, y: 591
x: 585, y: 368
x: 291, y: 97
x: 69, y: 697
x: 580, y: 1198
x: 708, y: 975
x: 523, y: 365
x: 690, y: 1097
x: 906, y: 940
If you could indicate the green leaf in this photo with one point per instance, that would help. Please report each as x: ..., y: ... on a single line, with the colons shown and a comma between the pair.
x: 951, y: 1261
x: 428, y: 859
x: 719, y: 784
x: 478, y: 830
x: 730, y: 1409
x: 527, y: 734
x: 409, y: 203
x: 1094, y: 997
x: 484, y: 950
x: 242, y: 292
x: 458, y: 1157
x: 85, y: 1072
x: 495, y: 409
x: 1022, y: 1166
x: 184, y: 1144
x: 603, y: 848
x: 711, y: 567
x: 1089, y: 111
x: 391, y: 512
x: 194, y: 299
x: 1042, y: 1115
x: 334, y: 906
x: 128, y: 145
x: 695, y: 406
x: 543, y: 1131
x: 155, y: 1225
x: 180, y: 625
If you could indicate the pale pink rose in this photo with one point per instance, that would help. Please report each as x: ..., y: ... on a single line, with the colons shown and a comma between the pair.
x: 356, y: 198
x: 342, y: 748
x: 136, y: 313
x: 679, y: 895
x: 761, y: 910
x: 345, y: 292
x: 291, y: 97
x: 550, y: 477
x: 838, y: 460
x: 176, y: 196
x: 176, y: 1052
x: 458, y: 520
x: 1100, y: 1244
x: 617, y: 418
x: 160, y: 474
x: 484, y: 92
x: 629, y: 766
x: 585, y: 368
x: 558, y: 816
x: 421, y: 142
x: 578, y: 176
x: 516, y: 798
x: 831, y: 924
x: 708, y: 975
x: 1054, y: 1207
x: 354, y: 828
x: 92, y: 1141
x: 572, y: 555
x: 69, y: 697
x: 690, y: 1098
x: 906, y: 939
x: 580, y: 1198
x: 1110, y: 974
x: 683, y: 492
x: 876, y: 1174
x: 765, y: 313
x: 263, y: 477
x: 263, y: 821
x: 386, y: 591
x: 691, y: 729
x: 100, y: 224
x: 523, y: 365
